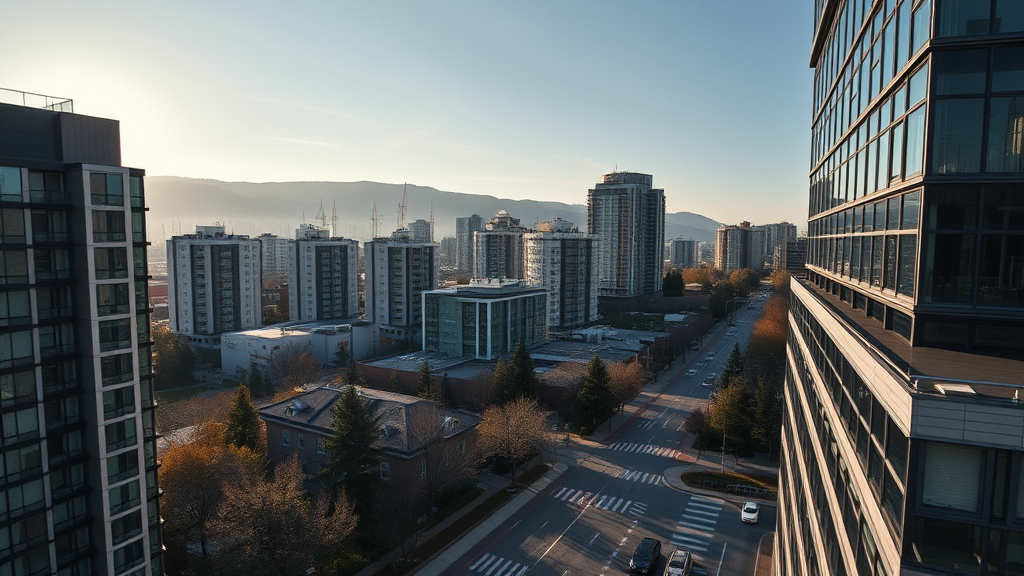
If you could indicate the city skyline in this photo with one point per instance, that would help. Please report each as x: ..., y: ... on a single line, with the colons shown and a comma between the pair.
x: 517, y: 103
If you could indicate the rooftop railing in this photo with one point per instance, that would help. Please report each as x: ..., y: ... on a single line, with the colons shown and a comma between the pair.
x: 33, y: 100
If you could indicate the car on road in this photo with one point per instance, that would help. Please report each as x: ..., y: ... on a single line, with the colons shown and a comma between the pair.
x: 750, y: 512
x: 709, y: 356
x: 646, y: 555
x: 679, y: 563
x: 691, y: 372
x: 709, y: 380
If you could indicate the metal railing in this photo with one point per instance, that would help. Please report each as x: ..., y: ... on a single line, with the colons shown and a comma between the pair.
x: 33, y: 100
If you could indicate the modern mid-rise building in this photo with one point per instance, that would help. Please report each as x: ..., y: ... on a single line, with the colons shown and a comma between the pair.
x: 484, y: 319
x: 903, y: 430
x: 422, y: 230
x: 792, y: 257
x: 398, y: 271
x: 273, y: 256
x: 732, y: 250
x: 498, y: 249
x: 214, y: 284
x: 684, y: 252
x: 79, y: 491
x: 563, y: 260
x: 448, y: 251
x: 627, y: 214
x: 464, y: 229
x: 323, y: 281
x: 770, y: 237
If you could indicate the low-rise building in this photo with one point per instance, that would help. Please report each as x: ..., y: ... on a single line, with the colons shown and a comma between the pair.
x: 239, y: 350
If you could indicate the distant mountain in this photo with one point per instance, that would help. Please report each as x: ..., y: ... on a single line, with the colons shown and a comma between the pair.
x: 178, y: 204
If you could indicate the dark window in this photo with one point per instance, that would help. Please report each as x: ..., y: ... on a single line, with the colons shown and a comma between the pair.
x: 118, y: 402
x: 960, y: 71
x: 16, y: 388
x: 876, y: 261
x: 1009, y: 16
x: 948, y: 266
x: 15, y: 308
x: 13, y: 267
x: 890, y: 261
x: 1005, y: 135
x: 951, y: 476
x: 946, y: 544
x: 46, y: 187
x: 963, y: 17
x: 115, y: 334
x: 908, y: 255
x: 958, y: 136
x: 952, y: 208
x: 137, y: 191
x: 1004, y: 208
x: 12, y: 226
x: 111, y: 263
x: 106, y: 189
x: 911, y: 211
x: 113, y: 299
x: 1001, y: 271
x: 108, y: 226
x: 902, y: 324
x: 120, y: 434
x: 122, y: 466
x: 10, y: 184
x: 116, y: 369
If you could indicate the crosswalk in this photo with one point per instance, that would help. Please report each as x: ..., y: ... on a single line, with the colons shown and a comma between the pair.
x: 490, y: 565
x: 600, y: 501
x: 640, y: 477
x: 652, y: 449
x: 697, y: 524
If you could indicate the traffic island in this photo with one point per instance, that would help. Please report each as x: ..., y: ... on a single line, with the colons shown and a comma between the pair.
x: 759, y: 486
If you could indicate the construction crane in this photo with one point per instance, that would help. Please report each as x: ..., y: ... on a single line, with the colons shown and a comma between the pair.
x: 403, y: 208
x: 334, y: 220
x: 375, y: 222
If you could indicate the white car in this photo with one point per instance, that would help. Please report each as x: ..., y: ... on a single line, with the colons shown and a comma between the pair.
x: 750, y: 512
x: 691, y: 372
x: 679, y: 563
x: 709, y: 356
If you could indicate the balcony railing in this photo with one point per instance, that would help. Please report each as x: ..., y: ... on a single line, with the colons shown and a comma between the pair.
x: 33, y: 100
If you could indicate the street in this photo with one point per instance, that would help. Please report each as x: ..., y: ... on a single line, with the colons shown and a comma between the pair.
x: 591, y: 518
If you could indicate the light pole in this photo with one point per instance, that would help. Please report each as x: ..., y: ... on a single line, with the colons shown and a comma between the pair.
x: 723, y: 454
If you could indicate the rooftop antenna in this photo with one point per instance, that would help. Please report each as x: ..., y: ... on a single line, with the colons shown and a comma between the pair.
x: 403, y: 208
x: 375, y: 222
x: 431, y: 221
x: 334, y: 219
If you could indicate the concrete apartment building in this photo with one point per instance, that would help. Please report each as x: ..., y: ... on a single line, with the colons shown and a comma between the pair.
x: 792, y: 257
x: 903, y: 429
x: 464, y: 230
x: 484, y: 319
x: 79, y: 490
x: 563, y: 261
x: 684, y: 252
x: 398, y: 271
x: 323, y: 279
x: 422, y: 231
x: 498, y: 248
x: 301, y: 425
x: 214, y: 284
x: 273, y: 256
x: 627, y: 214
x: 732, y: 250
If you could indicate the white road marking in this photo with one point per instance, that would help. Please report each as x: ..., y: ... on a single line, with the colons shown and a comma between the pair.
x: 481, y: 559
x: 596, y: 534
x: 560, y: 492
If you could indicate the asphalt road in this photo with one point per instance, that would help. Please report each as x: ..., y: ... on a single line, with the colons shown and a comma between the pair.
x: 592, y: 517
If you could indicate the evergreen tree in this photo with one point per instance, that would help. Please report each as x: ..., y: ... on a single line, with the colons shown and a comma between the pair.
x: 394, y: 381
x: 353, y: 455
x: 768, y: 413
x: 730, y: 413
x: 353, y: 377
x: 425, y: 384
x: 733, y: 366
x: 499, y: 382
x: 341, y: 356
x: 259, y: 385
x: 520, y: 379
x: 243, y: 430
x: 594, y: 402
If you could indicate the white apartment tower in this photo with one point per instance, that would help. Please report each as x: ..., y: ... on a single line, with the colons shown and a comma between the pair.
x: 214, y: 284
x: 323, y: 279
x: 273, y: 255
x: 628, y: 216
x: 464, y: 229
x: 562, y: 260
x: 398, y: 271
x: 422, y: 230
x: 732, y: 250
x: 498, y: 249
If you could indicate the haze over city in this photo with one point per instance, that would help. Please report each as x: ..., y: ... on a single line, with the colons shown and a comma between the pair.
x: 516, y: 100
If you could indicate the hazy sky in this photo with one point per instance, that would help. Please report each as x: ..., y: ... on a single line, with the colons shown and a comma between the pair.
x: 519, y: 99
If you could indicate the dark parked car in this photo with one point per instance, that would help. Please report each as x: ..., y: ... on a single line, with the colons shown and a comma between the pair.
x: 646, y: 556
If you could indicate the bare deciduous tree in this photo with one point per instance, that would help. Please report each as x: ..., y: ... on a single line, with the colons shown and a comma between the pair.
x: 448, y: 458
x: 513, y: 431
x: 627, y: 381
x: 293, y: 366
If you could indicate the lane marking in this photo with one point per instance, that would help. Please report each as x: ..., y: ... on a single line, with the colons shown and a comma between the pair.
x: 481, y: 559
x: 596, y: 534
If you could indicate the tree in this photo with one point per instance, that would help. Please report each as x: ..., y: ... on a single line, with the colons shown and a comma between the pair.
x: 341, y: 355
x: 425, y: 387
x: 768, y: 413
x: 520, y: 379
x: 703, y: 276
x: 744, y: 280
x: 445, y: 463
x: 673, y: 284
x: 257, y: 383
x: 394, y: 381
x: 270, y: 526
x: 733, y: 366
x: 173, y: 358
x: 731, y: 413
x: 353, y: 454
x: 626, y: 380
x: 499, y: 381
x: 780, y: 282
x: 243, y: 429
x: 697, y: 424
x: 353, y: 377
x: 513, y: 431
x: 721, y: 294
x: 766, y: 348
x: 293, y: 366
x: 594, y: 402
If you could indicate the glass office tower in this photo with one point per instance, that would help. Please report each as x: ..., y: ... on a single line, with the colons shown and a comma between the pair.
x: 78, y: 473
x: 903, y: 435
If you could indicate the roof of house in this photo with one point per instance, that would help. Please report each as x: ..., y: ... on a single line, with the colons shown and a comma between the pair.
x: 407, y: 422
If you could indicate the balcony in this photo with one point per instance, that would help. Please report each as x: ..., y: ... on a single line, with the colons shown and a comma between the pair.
x: 48, y: 196
x: 33, y: 100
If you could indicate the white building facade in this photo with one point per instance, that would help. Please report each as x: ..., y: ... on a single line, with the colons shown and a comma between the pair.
x: 323, y: 279
x: 398, y: 271
x: 563, y: 261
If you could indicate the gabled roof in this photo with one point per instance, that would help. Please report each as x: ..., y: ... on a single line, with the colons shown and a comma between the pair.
x: 406, y: 421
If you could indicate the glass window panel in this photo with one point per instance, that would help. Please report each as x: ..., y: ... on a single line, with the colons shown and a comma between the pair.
x: 948, y: 267
x: 1004, y: 208
x: 880, y: 215
x: 911, y: 210
x: 1006, y: 135
x: 960, y: 71
x: 963, y: 17
x: 903, y: 34
x: 953, y: 208
x: 893, y: 214
x: 918, y: 86
x: 865, y: 259
x: 869, y: 217
x: 1008, y: 69
x: 10, y: 184
x: 896, y: 167
x: 922, y: 25
x: 1009, y: 16
x: 1014, y: 553
x: 952, y: 476
x: 899, y: 103
x: 915, y: 142
x: 876, y: 261
x: 1001, y: 271
x: 883, y: 162
x: 890, y: 261
x: 896, y: 450
x: 945, y: 544
x: 957, y: 139
x: 908, y: 255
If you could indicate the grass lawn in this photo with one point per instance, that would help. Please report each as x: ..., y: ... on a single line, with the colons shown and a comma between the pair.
x: 710, y: 480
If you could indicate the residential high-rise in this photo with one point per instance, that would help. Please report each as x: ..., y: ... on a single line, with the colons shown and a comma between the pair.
x: 498, y: 249
x: 628, y: 216
x: 684, y: 252
x: 79, y: 493
x: 902, y: 437
x: 464, y: 229
x: 323, y: 279
x: 273, y: 256
x: 774, y: 235
x: 448, y: 251
x: 563, y: 260
x: 398, y: 270
x: 792, y: 257
x: 732, y: 250
x: 213, y: 284
x: 422, y: 230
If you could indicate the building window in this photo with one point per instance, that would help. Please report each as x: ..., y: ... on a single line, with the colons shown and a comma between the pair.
x: 285, y: 439
x: 952, y: 476
x: 122, y: 466
x: 115, y: 334
x: 120, y: 434
x: 106, y: 189
x: 16, y: 349
x: 124, y: 497
x: 321, y: 446
x: 116, y: 369
x: 302, y: 442
x: 10, y: 184
x: 111, y: 263
x: 13, y: 267
x: 946, y: 544
x: 385, y: 471
x: 108, y: 226
x: 12, y: 226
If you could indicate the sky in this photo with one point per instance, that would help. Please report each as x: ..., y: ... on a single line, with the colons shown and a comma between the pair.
x: 516, y: 99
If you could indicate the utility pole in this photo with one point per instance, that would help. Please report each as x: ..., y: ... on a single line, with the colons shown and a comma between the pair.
x: 723, y: 453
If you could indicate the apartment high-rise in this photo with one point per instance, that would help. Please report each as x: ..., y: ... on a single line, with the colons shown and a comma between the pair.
x: 732, y: 250
x: 422, y: 230
x: 627, y: 215
x: 773, y: 236
x: 498, y: 248
x: 398, y: 270
x: 273, y: 256
x: 323, y: 278
x: 684, y: 252
x: 902, y: 437
x: 464, y: 229
x: 213, y: 284
x: 563, y: 260
x: 79, y: 492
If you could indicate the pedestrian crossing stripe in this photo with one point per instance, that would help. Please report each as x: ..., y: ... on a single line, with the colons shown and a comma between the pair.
x: 640, y: 477
x: 488, y: 566
x: 704, y: 512
x: 652, y: 449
